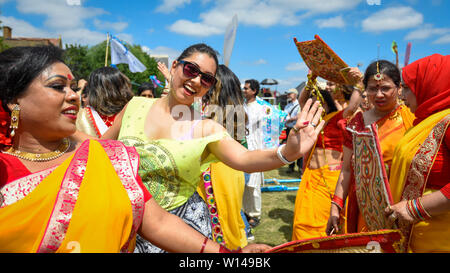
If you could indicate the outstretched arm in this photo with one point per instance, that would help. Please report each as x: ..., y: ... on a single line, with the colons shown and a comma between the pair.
x: 167, y: 231
x: 298, y: 144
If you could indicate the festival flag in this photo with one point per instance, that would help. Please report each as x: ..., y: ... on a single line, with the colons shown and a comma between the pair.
x: 394, y: 48
x: 121, y: 55
x: 230, y: 36
x: 407, y: 53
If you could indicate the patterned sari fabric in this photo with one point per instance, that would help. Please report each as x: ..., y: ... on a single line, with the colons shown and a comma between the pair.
x: 75, y: 207
x: 223, y: 195
x: 381, y: 241
x: 373, y: 148
x: 419, y: 155
x: 322, y: 60
x: 414, y: 158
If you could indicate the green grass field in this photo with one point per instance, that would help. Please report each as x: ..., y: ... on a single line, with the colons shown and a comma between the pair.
x: 277, y: 211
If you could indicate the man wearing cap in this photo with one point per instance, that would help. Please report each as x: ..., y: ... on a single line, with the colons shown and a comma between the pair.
x: 292, y: 109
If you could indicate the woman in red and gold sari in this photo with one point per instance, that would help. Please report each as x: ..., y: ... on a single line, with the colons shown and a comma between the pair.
x: 369, y: 143
x: 60, y: 192
x: 420, y: 173
x: 323, y: 165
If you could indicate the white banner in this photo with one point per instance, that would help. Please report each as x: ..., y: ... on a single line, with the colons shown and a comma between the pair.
x: 230, y: 36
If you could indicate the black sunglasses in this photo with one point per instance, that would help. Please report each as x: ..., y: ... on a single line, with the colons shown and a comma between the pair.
x: 191, y: 70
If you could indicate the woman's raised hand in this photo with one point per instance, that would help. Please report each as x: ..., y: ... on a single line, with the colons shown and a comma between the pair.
x: 304, y: 134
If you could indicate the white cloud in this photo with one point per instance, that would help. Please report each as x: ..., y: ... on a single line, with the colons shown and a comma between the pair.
x: 443, y: 40
x: 162, y: 50
x: 334, y: 22
x: 65, y: 21
x: 21, y: 28
x: 195, y: 29
x: 260, y: 62
x: 115, y: 26
x: 426, y: 31
x: 59, y: 14
x: 393, y: 18
x: 297, y: 67
x: 256, y: 13
x: 169, y: 6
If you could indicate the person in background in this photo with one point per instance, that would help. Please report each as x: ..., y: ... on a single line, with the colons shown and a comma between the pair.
x: 227, y: 183
x: 147, y: 90
x: 382, y: 82
x: 292, y: 108
x: 323, y: 165
x: 255, y: 112
x: 420, y: 172
x: 107, y: 92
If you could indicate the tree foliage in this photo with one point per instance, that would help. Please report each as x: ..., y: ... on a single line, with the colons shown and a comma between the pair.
x: 82, y: 60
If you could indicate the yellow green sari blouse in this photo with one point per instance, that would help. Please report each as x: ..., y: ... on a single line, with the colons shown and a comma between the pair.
x: 169, y: 168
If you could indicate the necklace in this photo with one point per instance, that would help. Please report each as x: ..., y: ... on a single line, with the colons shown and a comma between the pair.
x: 62, y: 149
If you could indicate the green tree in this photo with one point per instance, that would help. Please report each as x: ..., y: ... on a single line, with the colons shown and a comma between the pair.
x: 76, y: 59
x: 3, y: 46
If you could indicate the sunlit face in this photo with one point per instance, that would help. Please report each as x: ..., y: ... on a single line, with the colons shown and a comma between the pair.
x: 147, y: 94
x: 185, y: 89
x: 382, y: 94
x: 292, y: 96
x: 365, y: 104
x: 409, y: 97
x: 249, y: 93
x: 49, y: 106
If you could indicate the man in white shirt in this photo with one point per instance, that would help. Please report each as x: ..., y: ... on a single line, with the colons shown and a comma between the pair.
x: 292, y: 109
x: 251, y: 203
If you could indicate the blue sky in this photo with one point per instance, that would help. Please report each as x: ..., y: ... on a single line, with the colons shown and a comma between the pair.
x: 359, y: 31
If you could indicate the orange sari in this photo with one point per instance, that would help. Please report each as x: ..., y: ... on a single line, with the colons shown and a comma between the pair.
x: 388, y: 132
x: 90, y: 203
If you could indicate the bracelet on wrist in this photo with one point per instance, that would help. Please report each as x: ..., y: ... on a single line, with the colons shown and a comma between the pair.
x: 281, y: 157
x: 339, y: 202
x: 223, y: 249
x: 204, y: 245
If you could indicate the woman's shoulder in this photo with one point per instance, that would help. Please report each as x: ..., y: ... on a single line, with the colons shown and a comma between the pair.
x: 211, y: 128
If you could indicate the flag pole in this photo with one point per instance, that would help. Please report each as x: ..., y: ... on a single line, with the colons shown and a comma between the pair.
x: 107, y: 44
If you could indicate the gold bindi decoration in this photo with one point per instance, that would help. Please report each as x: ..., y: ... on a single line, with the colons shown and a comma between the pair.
x: 378, y: 76
x: 62, y: 149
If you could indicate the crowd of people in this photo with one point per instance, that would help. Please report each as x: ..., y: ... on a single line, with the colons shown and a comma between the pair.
x: 91, y: 166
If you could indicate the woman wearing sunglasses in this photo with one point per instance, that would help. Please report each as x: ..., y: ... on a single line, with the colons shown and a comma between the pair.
x: 176, y: 145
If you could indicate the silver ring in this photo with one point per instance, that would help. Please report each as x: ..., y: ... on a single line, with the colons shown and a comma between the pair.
x: 313, y: 124
x: 393, y: 216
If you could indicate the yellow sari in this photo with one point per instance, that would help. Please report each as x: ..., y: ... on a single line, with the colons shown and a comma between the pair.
x: 312, y: 204
x: 413, y: 158
x: 90, y: 203
x: 228, y: 187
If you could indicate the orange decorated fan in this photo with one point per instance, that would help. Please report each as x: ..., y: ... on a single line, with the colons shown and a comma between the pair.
x: 381, y: 241
x: 322, y: 61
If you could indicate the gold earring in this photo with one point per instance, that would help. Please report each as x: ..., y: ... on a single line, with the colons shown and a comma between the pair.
x: 14, y: 119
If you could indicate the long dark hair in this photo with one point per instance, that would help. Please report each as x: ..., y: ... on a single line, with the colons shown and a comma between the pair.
x: 199, y: 48
x: 108, y: 90
x: 227, y: 91
x: 384, y: 67
x: 19, y: 66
